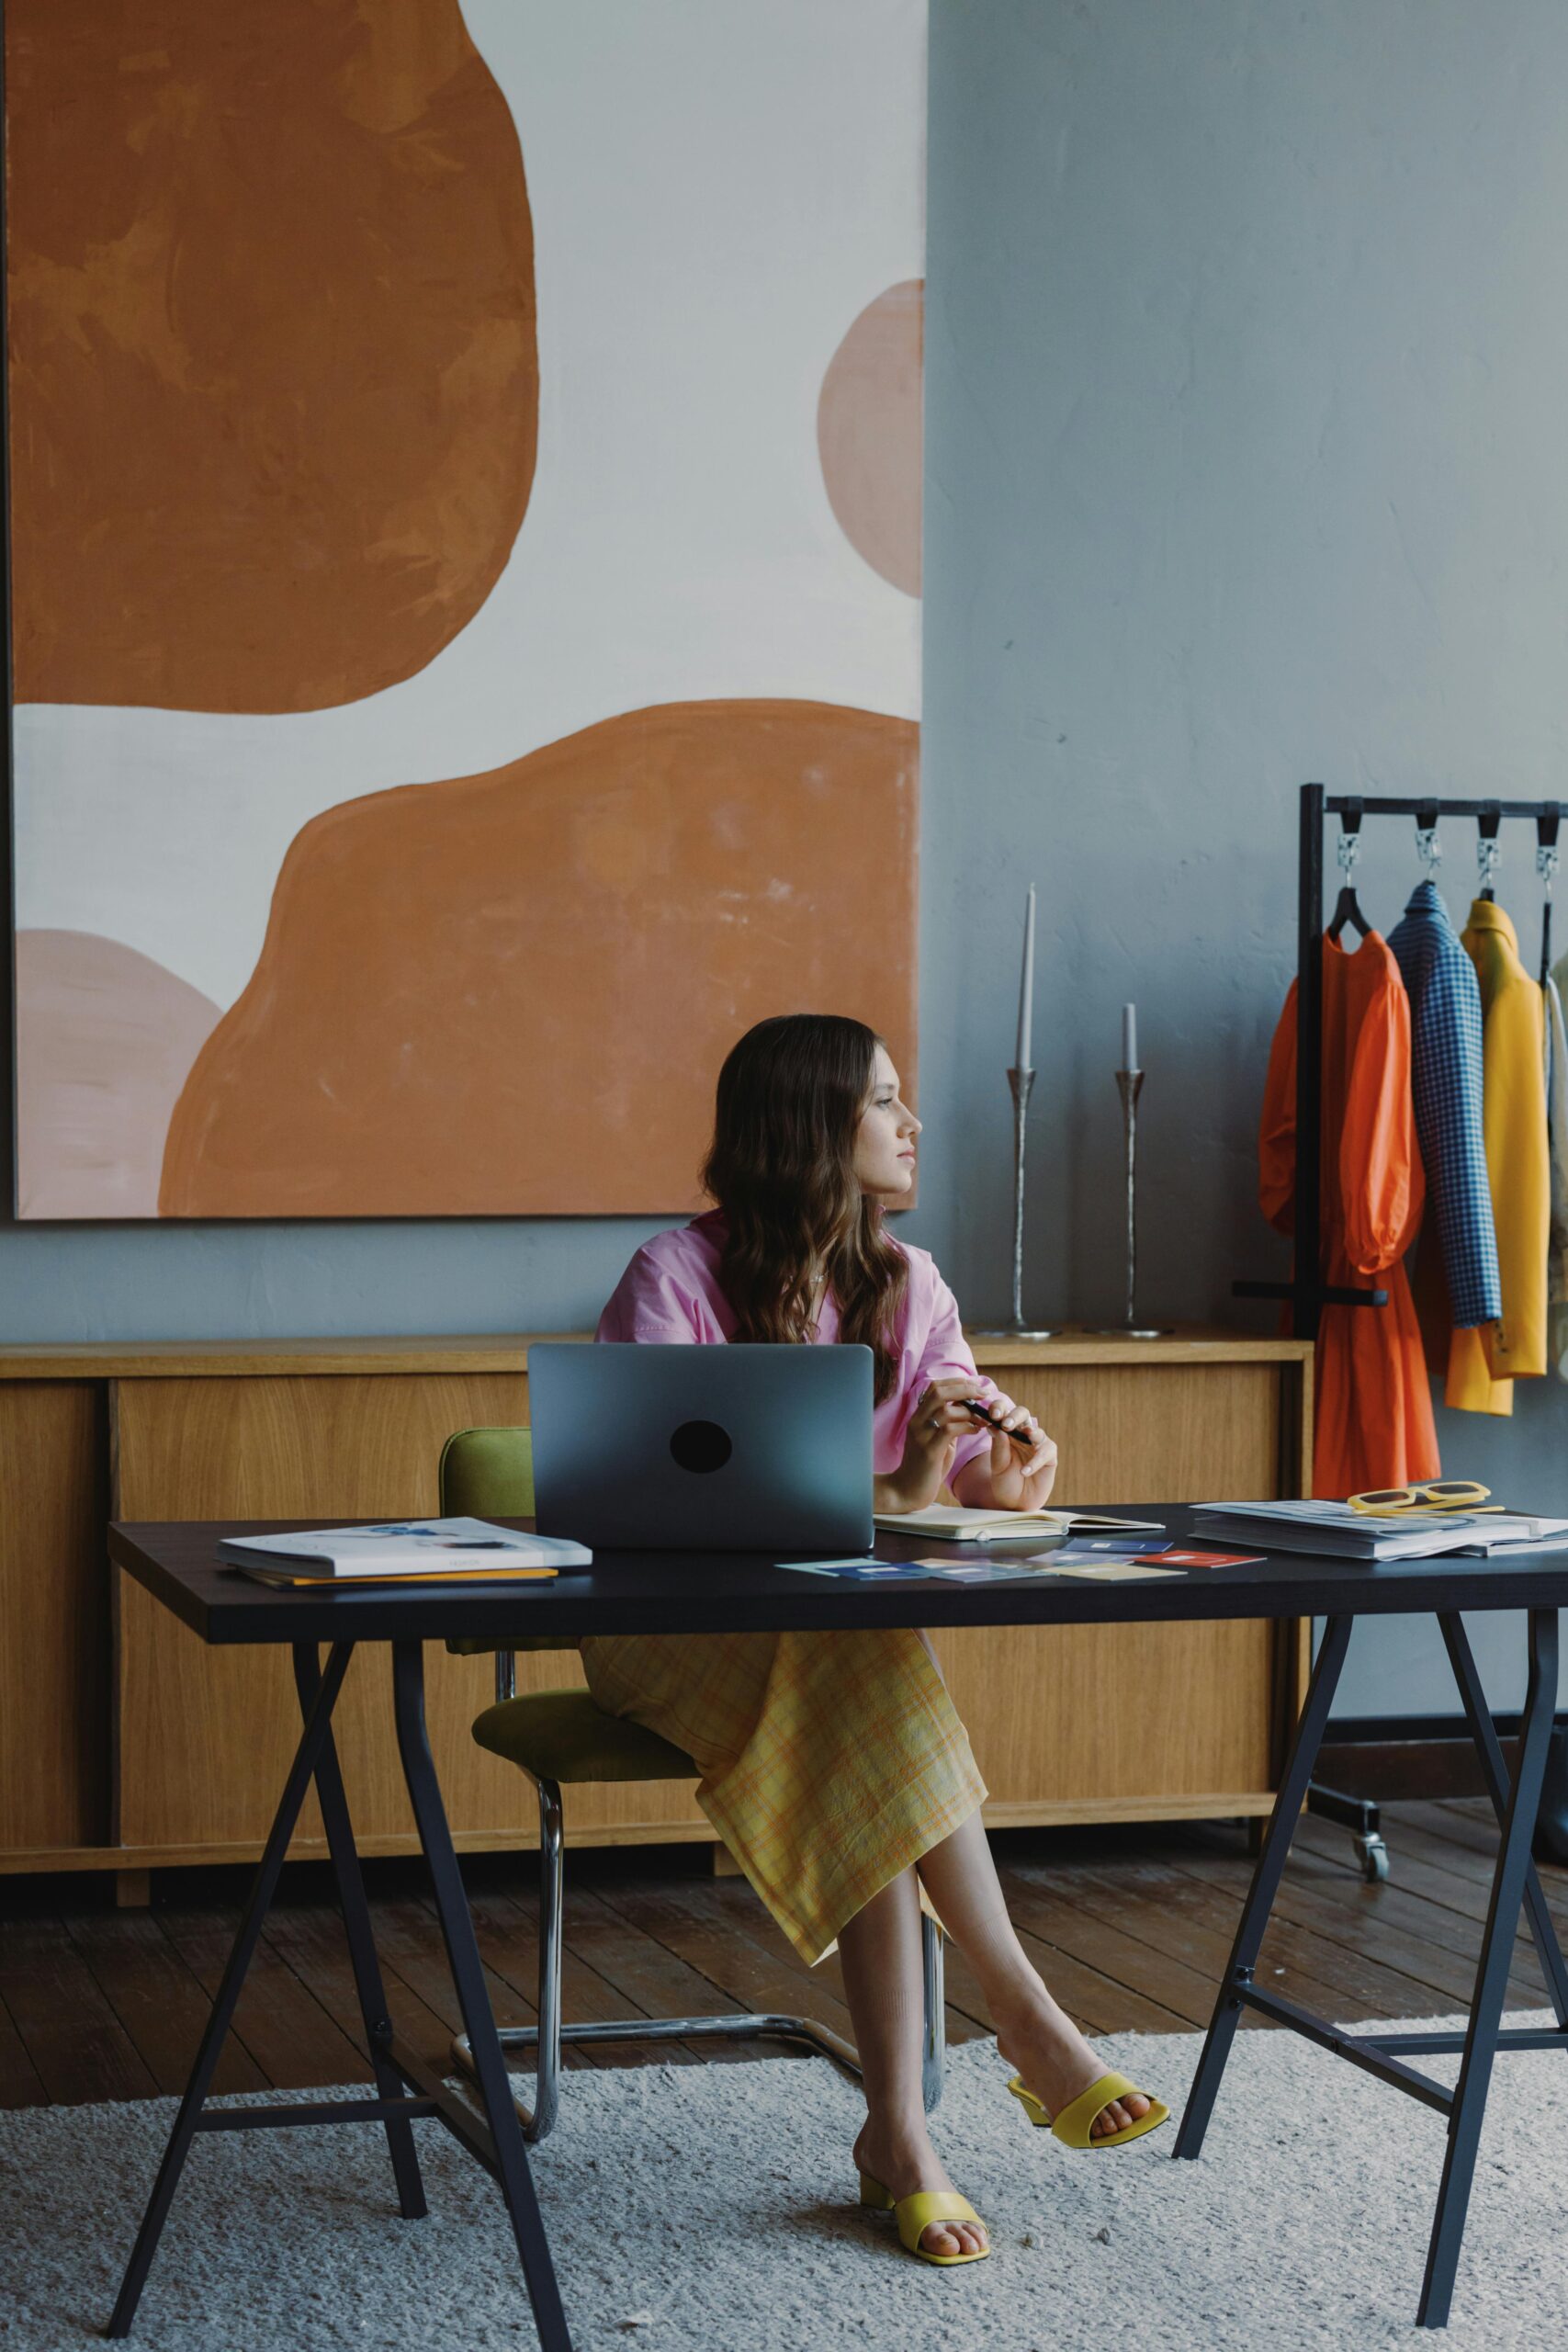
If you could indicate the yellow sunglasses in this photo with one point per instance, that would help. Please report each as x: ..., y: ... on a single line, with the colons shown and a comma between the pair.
x: 1436, y: 1495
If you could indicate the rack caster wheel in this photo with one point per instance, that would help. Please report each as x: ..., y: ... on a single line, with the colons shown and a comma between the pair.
x: 1373, y: 1856
x: 1360, y: 1815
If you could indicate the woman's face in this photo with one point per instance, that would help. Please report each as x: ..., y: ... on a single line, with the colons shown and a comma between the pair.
x: 885, y: 1140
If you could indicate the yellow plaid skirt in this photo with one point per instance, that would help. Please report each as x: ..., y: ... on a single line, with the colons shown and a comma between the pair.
x: 830, y: 1762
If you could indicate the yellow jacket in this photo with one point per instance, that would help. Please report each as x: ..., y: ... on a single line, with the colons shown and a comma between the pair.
x: 1484, y: 1363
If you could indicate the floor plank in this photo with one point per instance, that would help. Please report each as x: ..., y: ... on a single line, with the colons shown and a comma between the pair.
x: 1466, y: 1843
x: 309, y: 1936
x: 279, y: 2021
x: 1198, y: 1919
x: 157, y: 2000
x: 72, y: 2039
x: 1130, y: 1927
x: 1106, y: 1947
x: 1434, y: 1948
x: 20, y: 2082
x: 409, y: 1940
x: 1421, y: 1867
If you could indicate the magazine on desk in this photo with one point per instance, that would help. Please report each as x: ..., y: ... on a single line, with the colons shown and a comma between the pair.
x: 404, y: 1548
x: 1326, y: 1527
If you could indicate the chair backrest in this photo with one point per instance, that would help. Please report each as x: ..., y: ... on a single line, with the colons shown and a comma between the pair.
x: 489, y: 1474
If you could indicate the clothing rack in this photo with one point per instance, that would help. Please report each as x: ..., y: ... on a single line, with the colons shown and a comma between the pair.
x: 1307, y: 1292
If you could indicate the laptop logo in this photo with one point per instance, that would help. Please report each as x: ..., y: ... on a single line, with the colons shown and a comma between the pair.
x: 701, y: 1446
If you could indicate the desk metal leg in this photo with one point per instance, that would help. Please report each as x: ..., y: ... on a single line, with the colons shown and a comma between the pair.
x: 318, y: 1725
x: 505, y: 2136
x: 361, y: 1941
x: 1265, y: 1886
x: 1489, y: 1747
x: 1496, y: 1951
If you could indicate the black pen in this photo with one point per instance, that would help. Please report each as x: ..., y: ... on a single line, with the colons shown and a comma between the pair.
x: 991, y: 1423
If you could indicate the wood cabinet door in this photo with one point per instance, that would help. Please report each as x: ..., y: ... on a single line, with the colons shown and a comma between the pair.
x: 204, y: 1736
x: 54, y: 1644
x: 1070, y: 1720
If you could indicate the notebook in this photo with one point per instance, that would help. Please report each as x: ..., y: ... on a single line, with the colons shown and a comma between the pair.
x: 956, y: 1523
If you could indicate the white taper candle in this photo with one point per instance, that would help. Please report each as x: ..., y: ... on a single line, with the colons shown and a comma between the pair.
x: 1026, y: 987
x: 1129, y: 1037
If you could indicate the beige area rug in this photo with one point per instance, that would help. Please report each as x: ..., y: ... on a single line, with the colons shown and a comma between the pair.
x: 712, y: 2210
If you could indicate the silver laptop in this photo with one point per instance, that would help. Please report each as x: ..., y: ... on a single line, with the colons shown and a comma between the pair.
x: 731, y: 1449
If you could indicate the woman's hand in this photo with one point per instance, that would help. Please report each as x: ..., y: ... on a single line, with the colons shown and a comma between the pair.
x: 937, y: 1423
x: 1018, y: 1480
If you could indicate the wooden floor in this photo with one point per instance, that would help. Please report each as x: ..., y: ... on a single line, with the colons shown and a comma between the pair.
x: 1129, y: 1927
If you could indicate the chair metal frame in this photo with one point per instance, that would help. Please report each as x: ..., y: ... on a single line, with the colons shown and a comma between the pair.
x: 548, y: 2037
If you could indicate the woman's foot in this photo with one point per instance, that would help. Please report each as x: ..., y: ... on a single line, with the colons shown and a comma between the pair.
x: 905, y: 2162
x: 1045, y: 2049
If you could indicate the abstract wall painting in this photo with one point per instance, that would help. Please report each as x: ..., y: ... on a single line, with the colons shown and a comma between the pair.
x: 465, y: 531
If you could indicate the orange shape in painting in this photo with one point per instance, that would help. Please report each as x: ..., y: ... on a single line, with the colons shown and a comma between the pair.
x: 274, y: 378
x: 870, y: 435
x: 510, y: 994
x: 105, y: 1041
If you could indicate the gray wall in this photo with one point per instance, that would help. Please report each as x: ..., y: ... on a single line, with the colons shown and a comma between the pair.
x: 1247, y: 345
x: 1247, y: 335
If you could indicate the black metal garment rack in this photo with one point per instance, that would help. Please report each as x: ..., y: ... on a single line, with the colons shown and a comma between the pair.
x: 1306, y: 1291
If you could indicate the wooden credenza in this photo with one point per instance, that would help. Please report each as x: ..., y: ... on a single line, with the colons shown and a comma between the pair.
x: 125, y: 1743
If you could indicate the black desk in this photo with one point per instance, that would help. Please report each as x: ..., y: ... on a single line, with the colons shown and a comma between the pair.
x: 657, y: 1592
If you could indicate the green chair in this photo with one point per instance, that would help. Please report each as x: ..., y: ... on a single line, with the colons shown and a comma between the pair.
x: 558, y: 1736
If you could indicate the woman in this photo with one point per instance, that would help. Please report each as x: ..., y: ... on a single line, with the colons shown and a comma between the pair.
x: 834, y: 1765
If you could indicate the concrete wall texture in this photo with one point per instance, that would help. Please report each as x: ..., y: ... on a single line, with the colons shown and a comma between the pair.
x: 1247, y: 333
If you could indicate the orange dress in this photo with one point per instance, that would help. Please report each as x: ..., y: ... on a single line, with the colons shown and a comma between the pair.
x: 1373, y: 1417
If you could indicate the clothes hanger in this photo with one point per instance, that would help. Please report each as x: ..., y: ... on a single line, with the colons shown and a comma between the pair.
x: 1347, y: 907
x: 1429, y: 848
x: 1546, y: 866
x: 1488, y: 849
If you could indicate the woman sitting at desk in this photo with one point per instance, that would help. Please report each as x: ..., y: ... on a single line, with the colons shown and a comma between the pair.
x: 834, y: 1766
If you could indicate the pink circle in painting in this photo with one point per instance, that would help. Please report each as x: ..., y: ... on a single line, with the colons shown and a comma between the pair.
x: 869, y: 433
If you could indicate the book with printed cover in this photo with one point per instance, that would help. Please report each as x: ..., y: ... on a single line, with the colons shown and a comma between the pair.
x: 404, y: 1548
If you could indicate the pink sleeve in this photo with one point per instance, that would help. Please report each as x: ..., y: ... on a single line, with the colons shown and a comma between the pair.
x: 946, y: 1356
x: 650, y: 1302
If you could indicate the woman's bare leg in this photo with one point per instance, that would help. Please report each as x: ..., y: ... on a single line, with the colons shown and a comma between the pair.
x: 884, y: 1983
x: 1037, y: 2038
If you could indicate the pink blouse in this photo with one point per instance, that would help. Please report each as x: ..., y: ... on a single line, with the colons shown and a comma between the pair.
x: 671, y: 1293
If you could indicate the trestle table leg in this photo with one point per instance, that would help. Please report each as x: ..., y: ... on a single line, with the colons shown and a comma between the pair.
x: 361, y: 1941
x: 1492, y: 1977
x: 467, y: 1975
x: 1489, y: 1748
x: 1265, y: 1886
x: 318, y: 1725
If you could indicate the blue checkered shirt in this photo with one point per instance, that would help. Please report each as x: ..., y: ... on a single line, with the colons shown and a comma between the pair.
x: 1445, y: 1025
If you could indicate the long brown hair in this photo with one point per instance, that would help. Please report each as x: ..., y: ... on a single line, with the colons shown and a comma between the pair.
x: 781, y: 1169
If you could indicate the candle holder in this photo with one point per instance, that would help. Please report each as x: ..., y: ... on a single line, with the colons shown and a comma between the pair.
x: 1129, y: 1085
x: 1019, y: 1081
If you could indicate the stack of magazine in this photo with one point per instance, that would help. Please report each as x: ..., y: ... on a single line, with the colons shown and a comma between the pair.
x: 1357, y: 1535
x: 403, y: 1551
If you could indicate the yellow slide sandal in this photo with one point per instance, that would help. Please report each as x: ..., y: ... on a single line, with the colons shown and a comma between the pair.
x: 1071, y: 2127
x: 915, y: 2215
